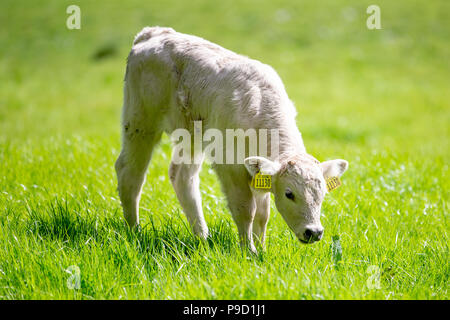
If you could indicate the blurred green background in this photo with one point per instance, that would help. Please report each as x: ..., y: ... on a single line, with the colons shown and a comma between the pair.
x: 378, y: 98
x: 375, y: 87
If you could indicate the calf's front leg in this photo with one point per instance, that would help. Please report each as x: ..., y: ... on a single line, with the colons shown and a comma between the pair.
x: 261, y: 216
x: 234, y: 181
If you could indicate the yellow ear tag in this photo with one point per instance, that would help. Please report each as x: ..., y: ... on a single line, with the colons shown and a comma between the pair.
x: 262, y: 181
x: 333, y: 183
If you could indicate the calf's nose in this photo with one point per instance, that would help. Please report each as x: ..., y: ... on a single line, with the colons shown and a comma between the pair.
x: 312, y: 235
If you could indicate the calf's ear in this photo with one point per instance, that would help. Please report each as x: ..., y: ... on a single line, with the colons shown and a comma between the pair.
x: 334, y: 168
x: 261, y: 164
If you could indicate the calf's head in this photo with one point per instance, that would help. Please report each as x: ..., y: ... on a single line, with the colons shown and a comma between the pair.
x: 299, y: 187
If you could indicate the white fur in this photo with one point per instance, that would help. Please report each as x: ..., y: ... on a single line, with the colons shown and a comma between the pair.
x: 173, y: 79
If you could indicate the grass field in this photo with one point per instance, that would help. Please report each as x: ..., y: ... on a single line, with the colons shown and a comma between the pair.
x: 377, y: 98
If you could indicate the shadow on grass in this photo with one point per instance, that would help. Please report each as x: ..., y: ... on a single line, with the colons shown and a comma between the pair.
x: 73, y: 224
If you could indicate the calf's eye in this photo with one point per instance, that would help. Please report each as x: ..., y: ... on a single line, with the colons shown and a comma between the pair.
x: 289, y: 194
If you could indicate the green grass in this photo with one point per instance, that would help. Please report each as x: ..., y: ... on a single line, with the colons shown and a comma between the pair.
x: 379, y: 99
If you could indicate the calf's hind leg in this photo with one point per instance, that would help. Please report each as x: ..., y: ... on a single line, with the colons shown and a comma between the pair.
x: 185, y: 181
x: 131, y: 167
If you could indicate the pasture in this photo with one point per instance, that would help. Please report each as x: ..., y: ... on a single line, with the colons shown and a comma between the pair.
x: 377, y: 98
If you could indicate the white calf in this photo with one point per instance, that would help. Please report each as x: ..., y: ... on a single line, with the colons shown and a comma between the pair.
x: 172, y: 80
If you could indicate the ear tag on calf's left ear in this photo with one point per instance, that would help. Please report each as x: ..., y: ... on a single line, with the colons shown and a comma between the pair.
x: 333, y: 183
x: 262, y: 181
